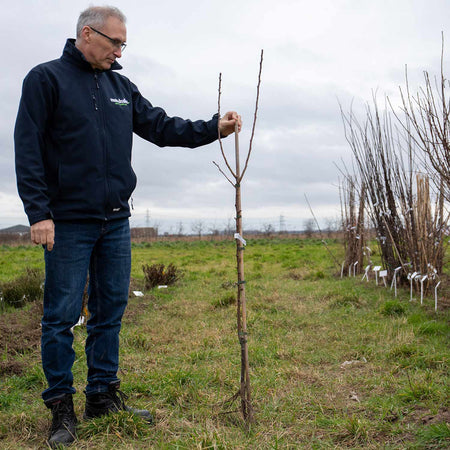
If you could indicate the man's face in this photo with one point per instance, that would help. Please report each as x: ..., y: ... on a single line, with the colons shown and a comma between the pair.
x: 101, y: 52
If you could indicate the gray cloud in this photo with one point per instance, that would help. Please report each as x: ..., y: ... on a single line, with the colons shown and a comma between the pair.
x: 315, y: 55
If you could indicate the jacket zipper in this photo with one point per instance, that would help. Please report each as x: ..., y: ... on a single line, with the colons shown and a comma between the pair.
x: 103, y: 130
x: 93, y: 93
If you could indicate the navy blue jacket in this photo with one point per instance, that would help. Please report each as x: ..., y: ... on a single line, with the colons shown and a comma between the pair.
x: 73, y: 139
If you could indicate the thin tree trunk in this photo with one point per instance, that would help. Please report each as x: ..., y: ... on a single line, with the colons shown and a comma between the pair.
x: 245, y: 394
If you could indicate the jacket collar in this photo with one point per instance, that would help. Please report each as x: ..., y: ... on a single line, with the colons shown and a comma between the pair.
x: 74, y: 56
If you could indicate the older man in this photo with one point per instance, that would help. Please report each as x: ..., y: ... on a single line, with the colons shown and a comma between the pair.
x: 73, y: 140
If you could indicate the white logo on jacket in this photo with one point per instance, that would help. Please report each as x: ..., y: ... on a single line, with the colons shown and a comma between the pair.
x: 120, y: 102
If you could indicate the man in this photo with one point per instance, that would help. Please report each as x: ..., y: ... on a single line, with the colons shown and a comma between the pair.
x: 73, y: 140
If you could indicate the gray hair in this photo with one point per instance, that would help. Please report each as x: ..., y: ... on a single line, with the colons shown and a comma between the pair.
x: 97, y: 16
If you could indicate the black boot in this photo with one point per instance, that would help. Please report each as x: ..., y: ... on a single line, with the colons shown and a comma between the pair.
x: 103, y: 403
x: 64, y: 420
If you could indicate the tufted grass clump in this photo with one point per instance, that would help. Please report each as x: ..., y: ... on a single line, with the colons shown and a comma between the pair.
x: 346, y: 299
x: 436, y: 435
x: 24, y: 289
x: 393, y: 308
x: 159, y: 274
x: 120, y: 425
x: 224, y: 301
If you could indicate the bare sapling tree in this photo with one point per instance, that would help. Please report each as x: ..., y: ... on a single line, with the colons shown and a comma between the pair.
x: 235, y: 178
x: 197, y: 228
x: 373, y: 148
x: 353, y: 226
x: 427, y: 121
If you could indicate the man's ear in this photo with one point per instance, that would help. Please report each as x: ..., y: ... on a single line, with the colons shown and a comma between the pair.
x: 86, y: 33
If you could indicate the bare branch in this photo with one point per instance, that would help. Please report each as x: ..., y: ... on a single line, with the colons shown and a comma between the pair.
x: 223, y: 173
x: 427, y: 122
x: 218, y: 129
x: 254, y: 118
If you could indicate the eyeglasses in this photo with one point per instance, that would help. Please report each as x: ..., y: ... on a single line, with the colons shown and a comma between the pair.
x: 115, y: 42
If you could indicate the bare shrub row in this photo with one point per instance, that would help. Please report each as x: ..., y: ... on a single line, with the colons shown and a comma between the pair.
x: 402, y: 195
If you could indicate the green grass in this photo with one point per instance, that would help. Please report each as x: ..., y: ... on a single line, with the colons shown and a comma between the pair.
x: 180, y: 357
x: 14, y: 260
x: 435, y: 436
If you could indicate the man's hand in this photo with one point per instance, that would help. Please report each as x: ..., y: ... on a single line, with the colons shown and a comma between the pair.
x: 43, y: 233
x: 227, y: 123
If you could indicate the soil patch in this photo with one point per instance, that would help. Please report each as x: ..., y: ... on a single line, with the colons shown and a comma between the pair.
x: 423, y: 416
x: 8, y: 368
x: 20, y: 333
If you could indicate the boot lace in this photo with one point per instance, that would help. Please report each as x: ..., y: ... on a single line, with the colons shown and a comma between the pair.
x: 119, y: 398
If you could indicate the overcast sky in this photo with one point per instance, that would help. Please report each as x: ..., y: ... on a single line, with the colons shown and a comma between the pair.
x: 316, y: 54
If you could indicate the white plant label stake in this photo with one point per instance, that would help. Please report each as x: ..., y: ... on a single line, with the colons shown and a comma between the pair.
x: 383, y: 275
x: 411, y: 278
x: 421, y: 287
x: 376, y: 269
x: 435, y: 296
x: 394, y: 280
x: 366, y: 273
x: 354, y: 268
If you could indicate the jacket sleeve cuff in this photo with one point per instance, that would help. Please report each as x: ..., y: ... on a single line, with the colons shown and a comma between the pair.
x: 32, y: 219
x: 214, y: 126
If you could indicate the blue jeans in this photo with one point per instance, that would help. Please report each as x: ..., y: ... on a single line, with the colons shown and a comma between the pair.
x: 102, y: 249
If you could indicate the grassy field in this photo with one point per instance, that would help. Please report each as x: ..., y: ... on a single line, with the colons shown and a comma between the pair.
x: 334, y: 363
